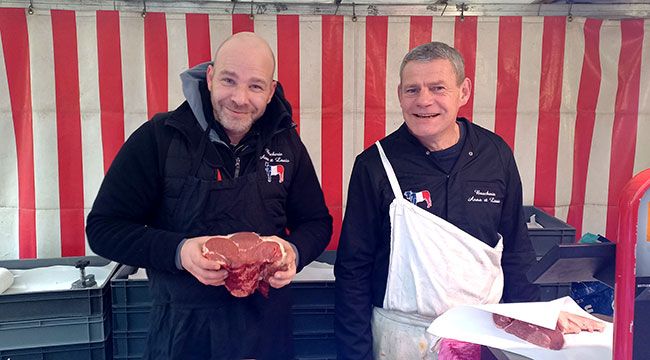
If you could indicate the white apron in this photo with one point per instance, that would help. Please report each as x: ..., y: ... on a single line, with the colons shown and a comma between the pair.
x: 433, y: 267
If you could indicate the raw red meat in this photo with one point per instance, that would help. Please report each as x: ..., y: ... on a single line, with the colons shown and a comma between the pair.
x: 540, y: 336
x: 249, y: 260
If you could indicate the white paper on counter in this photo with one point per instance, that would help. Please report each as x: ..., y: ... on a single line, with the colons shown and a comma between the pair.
x: 473, y: 323
x: 55, y: 278
x: 315, y: 271
x: 6, y: 279
x: 141, y: 274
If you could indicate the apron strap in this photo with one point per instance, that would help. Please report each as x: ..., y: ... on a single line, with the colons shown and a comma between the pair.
x: 390, y: 172
x: 197, y: 156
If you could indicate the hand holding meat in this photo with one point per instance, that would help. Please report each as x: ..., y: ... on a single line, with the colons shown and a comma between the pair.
x: 567, y: 323
x: 251, y: 261
x: 206, y: 271
x: 287, y: 265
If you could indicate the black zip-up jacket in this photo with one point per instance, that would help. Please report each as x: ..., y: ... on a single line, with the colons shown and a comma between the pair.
x: 127, y: 223
x: 481, y: 195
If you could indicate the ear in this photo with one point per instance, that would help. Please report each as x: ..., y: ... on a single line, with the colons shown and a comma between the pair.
x: 274, y: 84
x: 208, y: 76
x: 465, y: 91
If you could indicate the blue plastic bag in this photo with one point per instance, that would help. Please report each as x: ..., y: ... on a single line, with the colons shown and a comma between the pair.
x: 593, y: 296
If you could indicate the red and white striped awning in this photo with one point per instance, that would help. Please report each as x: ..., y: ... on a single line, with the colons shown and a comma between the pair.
x: 571, y: 98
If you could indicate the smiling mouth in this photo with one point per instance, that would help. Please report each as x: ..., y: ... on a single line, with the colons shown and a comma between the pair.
x: 236, y: 112
x: 425, y: 116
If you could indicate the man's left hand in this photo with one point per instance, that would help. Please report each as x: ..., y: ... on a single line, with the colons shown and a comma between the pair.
x: 569, y: 323
x: 283, y: 277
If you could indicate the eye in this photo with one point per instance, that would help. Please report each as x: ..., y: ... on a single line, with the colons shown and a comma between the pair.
x: 257, y: 87
x: 227, y: 81
x: 411, y: 91
x: 437, y: 89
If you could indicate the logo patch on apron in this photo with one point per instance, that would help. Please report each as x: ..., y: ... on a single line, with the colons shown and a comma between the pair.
x: 273, y: 161
x: 417, y: 197
x: 274, y: 170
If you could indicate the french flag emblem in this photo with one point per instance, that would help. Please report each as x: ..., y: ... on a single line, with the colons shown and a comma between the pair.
x: 418, y: 197
x: 274, y: 170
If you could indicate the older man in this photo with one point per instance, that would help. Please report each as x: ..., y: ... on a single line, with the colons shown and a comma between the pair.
x: 434, y: 219
x: 205, y: 169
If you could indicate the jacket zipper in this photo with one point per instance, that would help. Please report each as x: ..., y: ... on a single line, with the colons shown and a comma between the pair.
x: 237, y: 166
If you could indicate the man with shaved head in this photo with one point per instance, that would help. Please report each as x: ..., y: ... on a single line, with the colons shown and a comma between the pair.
x: 226, y: 160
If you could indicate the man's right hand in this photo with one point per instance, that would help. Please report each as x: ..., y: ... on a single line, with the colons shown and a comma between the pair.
x: 206, y: 271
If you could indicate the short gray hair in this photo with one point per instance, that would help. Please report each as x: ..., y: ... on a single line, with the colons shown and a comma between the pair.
x: 433, y: 51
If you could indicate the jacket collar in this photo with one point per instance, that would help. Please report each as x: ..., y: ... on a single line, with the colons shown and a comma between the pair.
x: 470, y: 149
x: 276, y: 118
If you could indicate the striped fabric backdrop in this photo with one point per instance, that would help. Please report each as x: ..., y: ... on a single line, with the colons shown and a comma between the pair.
x: 571, y: 98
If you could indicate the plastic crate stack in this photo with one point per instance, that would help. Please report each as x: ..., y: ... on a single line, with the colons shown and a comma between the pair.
x: 131, y: 309
x: 313, y: 311
x: 56, y: 325
x: 312, y: 315
x: 545, y: 232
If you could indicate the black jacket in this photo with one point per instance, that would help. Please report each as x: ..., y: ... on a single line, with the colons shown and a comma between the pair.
x: 481, y: 195
x: 127, y: 222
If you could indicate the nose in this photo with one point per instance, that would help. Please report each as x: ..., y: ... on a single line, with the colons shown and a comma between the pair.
x: 239, y: 95
x: 425, y: 98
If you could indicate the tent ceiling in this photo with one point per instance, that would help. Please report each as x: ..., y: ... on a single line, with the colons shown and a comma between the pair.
x: 588, y: 8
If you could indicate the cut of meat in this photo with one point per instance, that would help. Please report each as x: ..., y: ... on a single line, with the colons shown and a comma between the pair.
x: 501, y: 321
x: 249, y: 259
x: 540, y: 336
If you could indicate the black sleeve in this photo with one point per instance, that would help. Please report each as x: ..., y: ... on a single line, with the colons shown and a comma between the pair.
x: 354, y: 265
x: 308, y: 220
x: 518, y: 253
x: 118, y: 226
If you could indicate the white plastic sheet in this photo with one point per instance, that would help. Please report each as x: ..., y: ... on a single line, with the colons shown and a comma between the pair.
x: 474, y: 324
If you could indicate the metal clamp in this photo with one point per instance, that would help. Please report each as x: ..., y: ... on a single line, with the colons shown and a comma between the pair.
x: 85, y: 281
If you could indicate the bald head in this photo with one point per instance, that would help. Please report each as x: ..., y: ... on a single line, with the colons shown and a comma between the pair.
x: 241, y: 83
x: 250, y: 43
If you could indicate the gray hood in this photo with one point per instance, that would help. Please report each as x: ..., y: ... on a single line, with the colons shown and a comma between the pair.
x: 276, y: 117
x: 191, y: 80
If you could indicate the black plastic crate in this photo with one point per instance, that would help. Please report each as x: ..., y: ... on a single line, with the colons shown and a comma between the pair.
x: 88, y: 351
x: 306, y: 320
x: 129, y: 345
x: 309, y: 295
x: 127, y: 292
x: 312, y: 314
x: 54, y: 304
x: 553, y: 231
x: 315, y: 346
x: 132, y: 318
x: 54, y: 332
x: 554, y: 291
x: 312, y: 321
x: 135, y: 293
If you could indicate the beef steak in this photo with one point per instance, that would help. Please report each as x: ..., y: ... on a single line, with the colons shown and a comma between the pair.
x: 540, y: 336
x: 249, y: 260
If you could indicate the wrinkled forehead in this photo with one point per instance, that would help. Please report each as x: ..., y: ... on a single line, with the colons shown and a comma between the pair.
x: 437, y: 71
